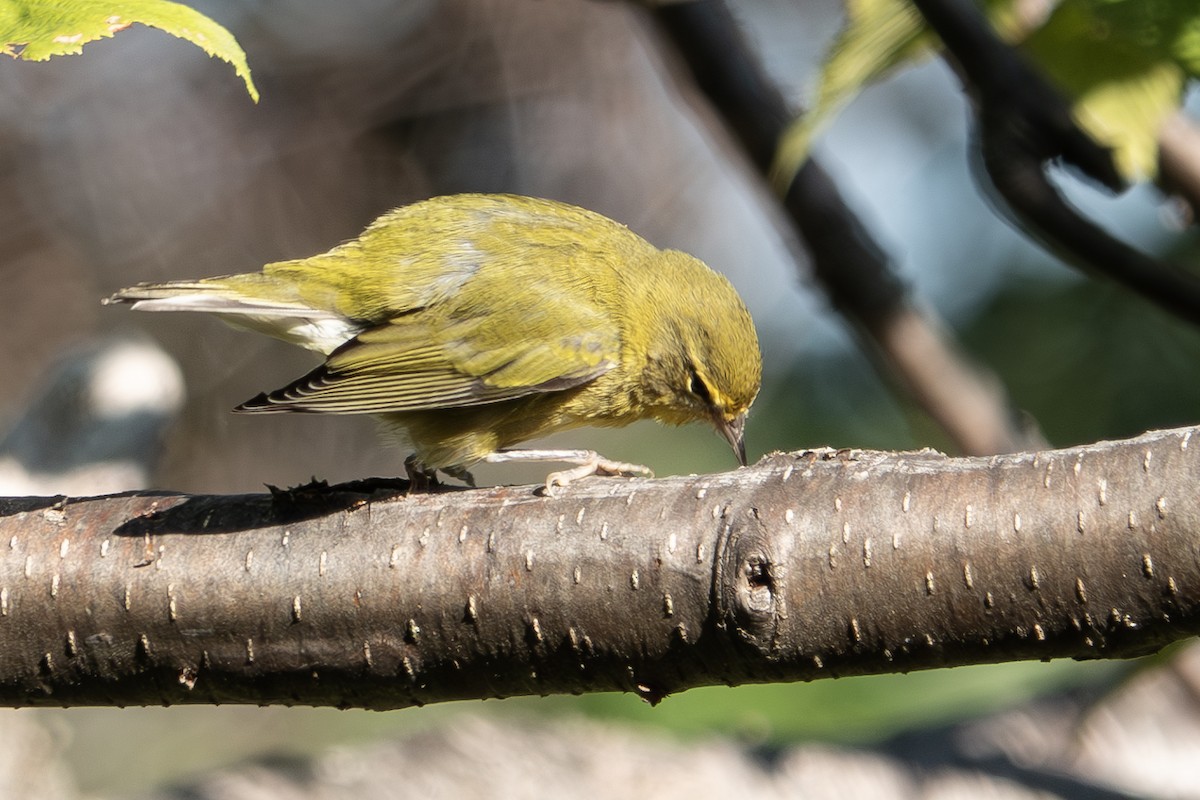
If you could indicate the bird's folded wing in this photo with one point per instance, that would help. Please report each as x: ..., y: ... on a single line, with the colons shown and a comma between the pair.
x: 416, y: 364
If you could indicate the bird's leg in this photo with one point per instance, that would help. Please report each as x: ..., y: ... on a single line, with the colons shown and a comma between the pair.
x: 589, y: 463
x: 423, y: 479
x: 462, y: 474
x: 420, y: 478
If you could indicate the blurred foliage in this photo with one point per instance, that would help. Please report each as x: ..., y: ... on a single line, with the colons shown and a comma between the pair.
x: 879, y: 37
x: 1124, y: 62
x: 851, y: 710
x: 1084, y: 360
x: 859, y: 710
x: 1090, y: 362
x: 36, y: 30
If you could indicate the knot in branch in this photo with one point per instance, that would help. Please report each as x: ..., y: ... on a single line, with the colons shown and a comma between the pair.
x: 746, y: 585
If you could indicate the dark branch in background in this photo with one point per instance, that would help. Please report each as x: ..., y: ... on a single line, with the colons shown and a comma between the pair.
x: 1021, y: 180
x: 807, y: 565
x: 968, y: 404
x: 1024, y: 122
x: 1014, y: 93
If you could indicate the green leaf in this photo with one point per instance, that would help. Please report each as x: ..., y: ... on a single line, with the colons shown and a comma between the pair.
x: 878, y: 37
x: 1165, y: 29
x: 35, y: 30
x: 1187, y: 47
x: 1116, y: 59
x: 1124, y: 63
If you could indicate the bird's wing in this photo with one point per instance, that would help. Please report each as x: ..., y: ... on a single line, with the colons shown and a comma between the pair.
x: 419, y: 361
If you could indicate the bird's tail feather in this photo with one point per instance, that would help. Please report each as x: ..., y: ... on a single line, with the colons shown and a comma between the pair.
x: 251, y: 302
x: 212, y: 296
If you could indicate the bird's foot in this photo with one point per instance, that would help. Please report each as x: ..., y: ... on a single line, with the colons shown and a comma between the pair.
x: 588, y: 462
x: 461, y: 474
x: 420, y: 478
x: 424, y: 479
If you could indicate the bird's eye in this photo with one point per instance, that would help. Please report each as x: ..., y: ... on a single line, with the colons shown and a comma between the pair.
x: 698, y: 387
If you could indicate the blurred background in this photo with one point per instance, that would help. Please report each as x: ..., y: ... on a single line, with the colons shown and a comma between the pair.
x: 143, y: 159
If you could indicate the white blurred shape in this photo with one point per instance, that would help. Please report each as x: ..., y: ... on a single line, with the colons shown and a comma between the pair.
x: 95, y: 425
x: 132, y: 377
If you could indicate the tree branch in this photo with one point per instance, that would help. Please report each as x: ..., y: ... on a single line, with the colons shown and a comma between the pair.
x: 807, y: 565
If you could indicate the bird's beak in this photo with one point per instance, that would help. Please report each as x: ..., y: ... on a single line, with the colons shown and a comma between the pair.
x: 734, y: 432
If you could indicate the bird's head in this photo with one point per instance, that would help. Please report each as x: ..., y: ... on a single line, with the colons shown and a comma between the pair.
x: 705, y: 363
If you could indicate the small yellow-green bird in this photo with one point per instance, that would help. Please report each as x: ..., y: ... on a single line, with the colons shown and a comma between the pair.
x: 472, y: 322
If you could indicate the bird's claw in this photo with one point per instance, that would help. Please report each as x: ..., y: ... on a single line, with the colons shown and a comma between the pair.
x: 594, y: 465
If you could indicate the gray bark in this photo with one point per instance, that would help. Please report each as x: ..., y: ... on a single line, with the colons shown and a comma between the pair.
x: 806, y: 565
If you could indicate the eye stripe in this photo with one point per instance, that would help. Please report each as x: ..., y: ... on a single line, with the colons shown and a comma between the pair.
x: 697, y: 387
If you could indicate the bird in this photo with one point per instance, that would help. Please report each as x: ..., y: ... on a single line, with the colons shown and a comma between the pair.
x: 470, y: 323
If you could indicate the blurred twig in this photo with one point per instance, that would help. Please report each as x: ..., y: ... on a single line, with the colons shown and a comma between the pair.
x: 1013, y: 94
x: 969, y: 405
x: 1178, y: 139
x: 1024, y: 123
